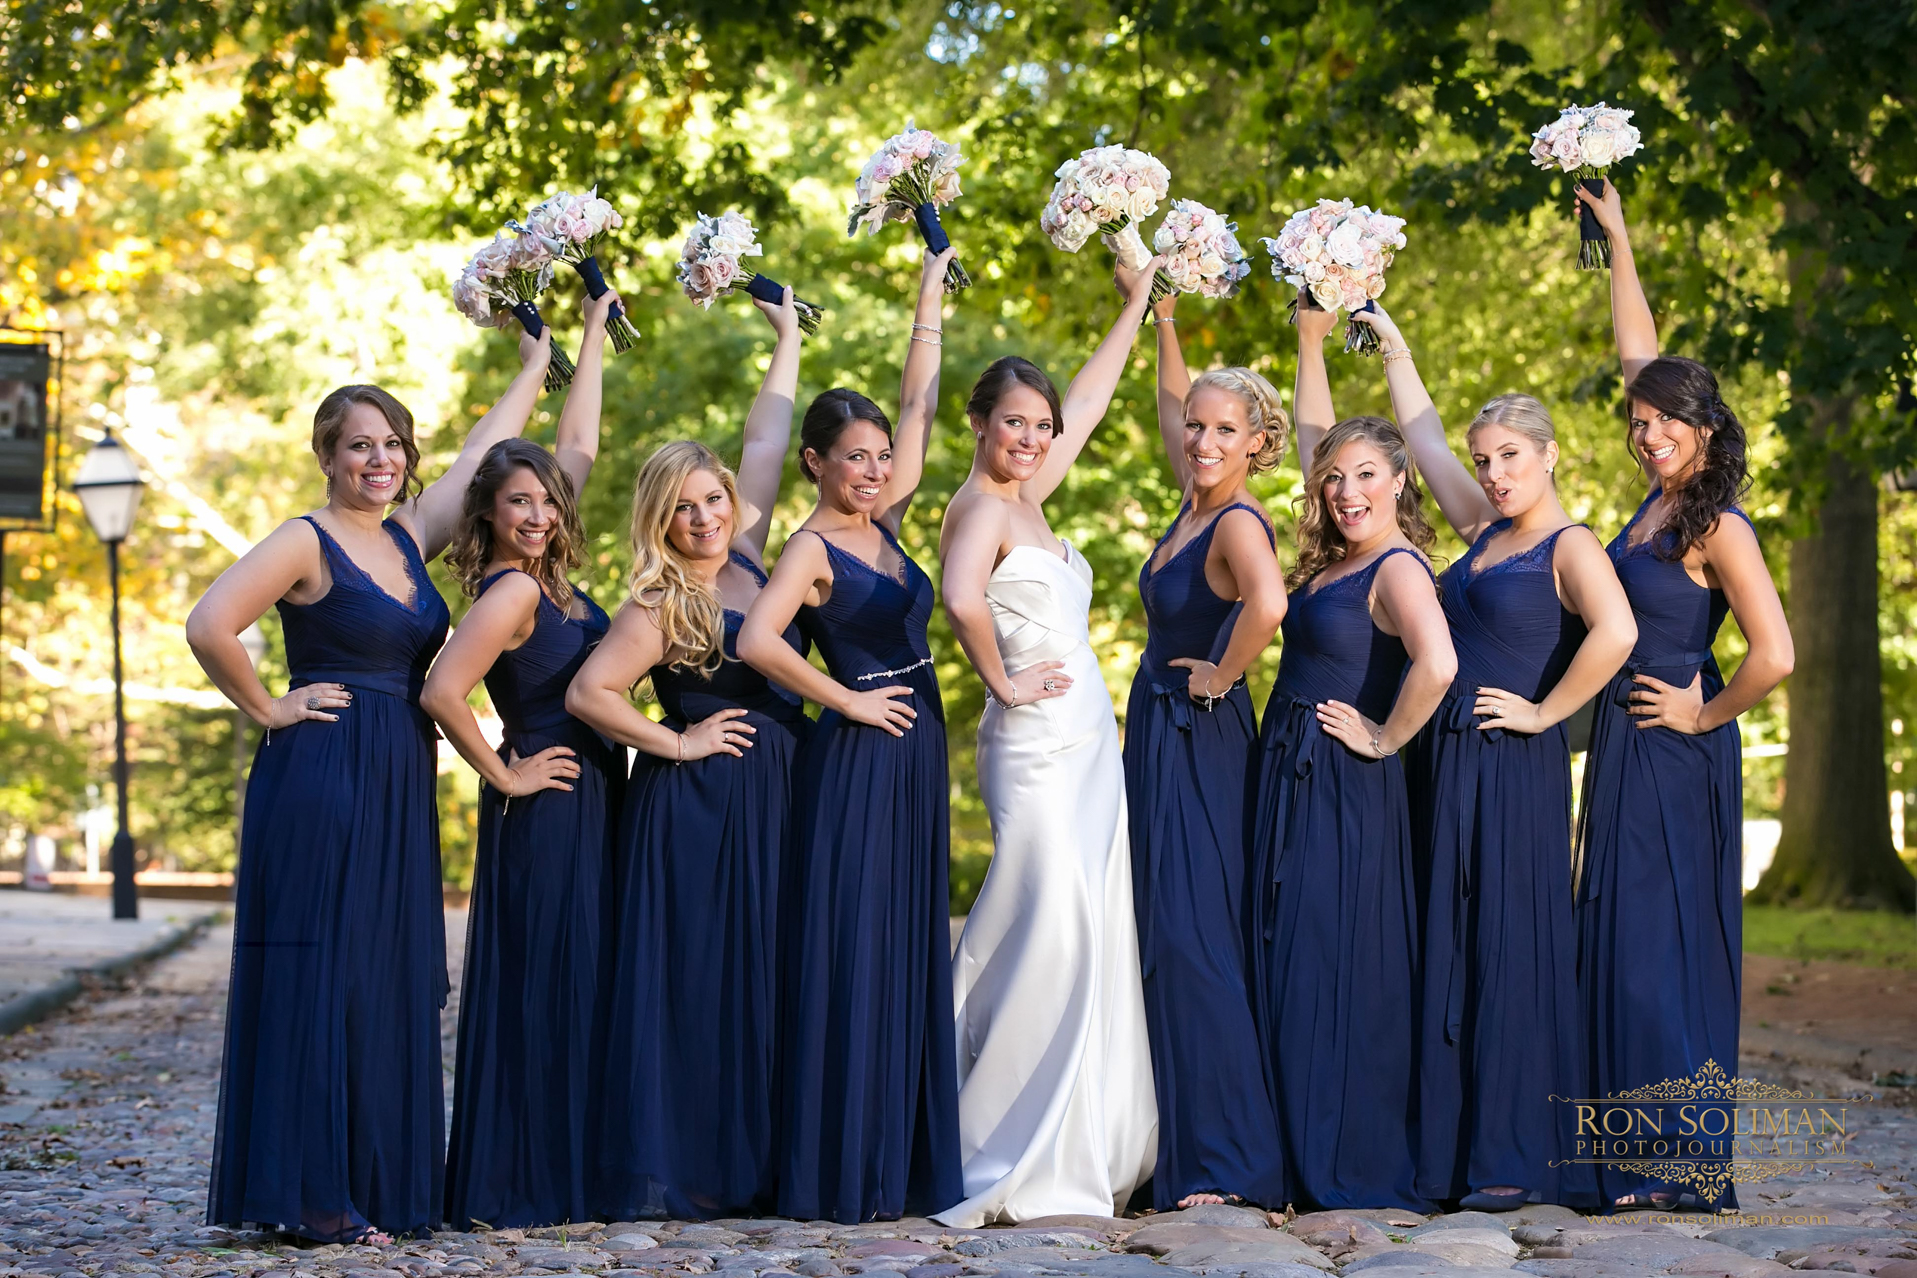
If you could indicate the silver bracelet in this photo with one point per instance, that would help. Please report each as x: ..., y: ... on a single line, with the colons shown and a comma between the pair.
x: 928, y: 341
x: 927, y: 328
x: 682, y: 751
x: 1163, y: 319
x: 1382, y: 752
x: 1007, y: 705
x: 1398, y: 352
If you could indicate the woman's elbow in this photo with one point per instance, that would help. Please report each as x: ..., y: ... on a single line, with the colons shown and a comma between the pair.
x: 579, y: 702
x: 201, y: 633
x: 436, y: 699
x: 1440, y: 666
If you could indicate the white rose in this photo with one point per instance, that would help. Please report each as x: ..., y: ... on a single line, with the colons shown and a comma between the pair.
x: 1345, y: 245
x: 1600, y: 148
x: 1211, y: 264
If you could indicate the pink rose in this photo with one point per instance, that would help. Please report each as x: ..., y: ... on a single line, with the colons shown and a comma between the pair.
x: 722, y: 271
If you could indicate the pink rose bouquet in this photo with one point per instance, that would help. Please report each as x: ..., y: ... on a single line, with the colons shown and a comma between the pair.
x: 1201, y: 253
x: 1335, y: 254
x: 709, y: 267
x: 506, y: 277
x: 1108, y: 189
x: 1584, y: 142
x: 571, y: 227
x: 909, y: 179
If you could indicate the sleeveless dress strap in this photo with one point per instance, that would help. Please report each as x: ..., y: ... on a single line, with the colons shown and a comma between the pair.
x: 758, y: 573
x: 1378, y: 563
x: 1263, y: 518
x: 486, y: 582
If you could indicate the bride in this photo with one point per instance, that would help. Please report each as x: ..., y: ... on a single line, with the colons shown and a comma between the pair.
x: 1056, y: 1112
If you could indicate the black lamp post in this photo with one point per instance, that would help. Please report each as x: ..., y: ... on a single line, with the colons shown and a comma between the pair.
x: 109, y: 486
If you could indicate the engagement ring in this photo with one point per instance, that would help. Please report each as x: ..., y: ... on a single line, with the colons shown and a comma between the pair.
x: 1050, y: 686
x: 312, y: 703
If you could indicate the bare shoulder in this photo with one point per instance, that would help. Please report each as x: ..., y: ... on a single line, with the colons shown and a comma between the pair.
x: 1578, y: 546
x: 1731, y: 535
x: 1406, y: 576
x: 1242, y: 523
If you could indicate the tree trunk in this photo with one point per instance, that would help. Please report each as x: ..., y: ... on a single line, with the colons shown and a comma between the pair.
x: 1836, y: 848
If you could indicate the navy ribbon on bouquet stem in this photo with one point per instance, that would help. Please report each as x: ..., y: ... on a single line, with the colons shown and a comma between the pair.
x: 926, y: 216
x: 596, y: 287
x: 528, y: 316
x: 767, y: 290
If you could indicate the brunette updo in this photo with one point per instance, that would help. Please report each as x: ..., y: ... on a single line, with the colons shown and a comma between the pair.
x: 826, y: 419
x: 1003, y: 374
x: 1686, y: 390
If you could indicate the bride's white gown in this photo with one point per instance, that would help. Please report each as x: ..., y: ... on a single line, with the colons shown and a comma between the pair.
x: 1056, y: 1111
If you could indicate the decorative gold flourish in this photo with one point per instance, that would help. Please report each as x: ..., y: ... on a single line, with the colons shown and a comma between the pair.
x: 1711, y: 1179
x: 1709, y: 1083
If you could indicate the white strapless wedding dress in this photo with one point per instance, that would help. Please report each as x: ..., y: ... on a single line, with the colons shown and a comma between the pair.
x: 1056, y: 1110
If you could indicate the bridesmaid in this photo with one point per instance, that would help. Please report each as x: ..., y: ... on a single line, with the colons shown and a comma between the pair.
x: 689, y: 1040
x: 331, y: 1118
x: 1367, y: 658
x: 870, y: 1091
x: 516, y: 1155
x: 1660, y: 901
x: 1540, y: 624
x: 1213, y: 599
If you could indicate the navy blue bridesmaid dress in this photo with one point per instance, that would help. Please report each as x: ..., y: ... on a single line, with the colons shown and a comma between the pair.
x: 331, y: 1110
x: 1186, y: 784
x: 1660, y: 876
x: 1334, y: 944
x: 690, y: 1047
x: 517, y: 1154
x: 1500, y: 1023
x: 870, y: 1110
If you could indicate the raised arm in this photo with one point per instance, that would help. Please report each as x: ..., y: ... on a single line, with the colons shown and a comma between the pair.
x: 1409, y: 601
x: 498, y: 619
x: 1630, y: 310
x: 918, y: 393
x: 801, y: 570
x: 1589, y: 586
x: 1459, y: 496
x: 598, y: 696
x: 577, y: 443
x: 432, y: 516
x: 287, y: 559
x: 768, y: 428
x: 975, y: 528
x: 1090, y: 393
x: 1174, y: 383
x: 1245, y: 545
x: 1312, y: 414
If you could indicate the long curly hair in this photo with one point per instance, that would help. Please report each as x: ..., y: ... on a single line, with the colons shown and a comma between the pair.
x: 687, y: 609
x: 1263, y: 409
x: 472, y: 545
x: 1320, y: 544
x: 329, y: 419
x: 1687, y: 391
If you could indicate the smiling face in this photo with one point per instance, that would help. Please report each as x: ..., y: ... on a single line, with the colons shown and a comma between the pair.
x: 368, y: 463
x: 1670, y: 449
x: 524, y: 517
x: 1219, y: 440
x: 1514, y: 472
x: 1013, y: 442
x: 702, y: 517
x: 854, y: 470
x: 1361, y: 493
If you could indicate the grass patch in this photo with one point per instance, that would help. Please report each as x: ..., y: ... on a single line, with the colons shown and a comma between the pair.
x: 1870, y: 937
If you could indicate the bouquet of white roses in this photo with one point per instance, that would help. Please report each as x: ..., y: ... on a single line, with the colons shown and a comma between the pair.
x: 1108, y: 189
x: 571, y: 227
x: 1201, y: 253
x: 1585, y: 141
x: 909, y: 179
x: 506, y: 277
x: 709, y: 267
x: 1335, y: 254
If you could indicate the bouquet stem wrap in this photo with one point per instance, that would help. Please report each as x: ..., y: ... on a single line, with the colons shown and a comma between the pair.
x: 619, y: 329
x: 771, y: 292
x: 926, y: 215
x: 1594, y: 246
x: 1124, y: 240
x: 560, y: 370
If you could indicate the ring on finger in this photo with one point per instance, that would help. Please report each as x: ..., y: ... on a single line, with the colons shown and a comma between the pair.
x: 312, y: 703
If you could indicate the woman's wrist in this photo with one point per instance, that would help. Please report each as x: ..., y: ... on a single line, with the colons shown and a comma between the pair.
x: 1009, y: 697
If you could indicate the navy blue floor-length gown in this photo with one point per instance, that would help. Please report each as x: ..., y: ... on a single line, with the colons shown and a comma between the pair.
x: 1187, y: 774
x: 870, y: 1110
x: 691, y: 1044
x: 1500, y: 1023
x: 1660, y: 886
x: 331, y: 1112
x: 1334, y: 959
x: 521, y: 1108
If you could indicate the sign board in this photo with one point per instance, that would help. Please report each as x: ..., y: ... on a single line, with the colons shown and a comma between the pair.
x: 24, y: 451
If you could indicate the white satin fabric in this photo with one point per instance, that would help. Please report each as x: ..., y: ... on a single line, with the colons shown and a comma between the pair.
x: 1056, y: 1110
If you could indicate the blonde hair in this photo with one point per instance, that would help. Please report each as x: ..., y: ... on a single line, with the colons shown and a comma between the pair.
x: 1320, y: 544
x: 472, y: 545
x: 1519, y: 414
x: 1263, y: 410
x: 687, y: 610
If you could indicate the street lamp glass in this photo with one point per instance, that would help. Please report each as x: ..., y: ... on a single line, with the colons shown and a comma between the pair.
x: 109, y: 486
